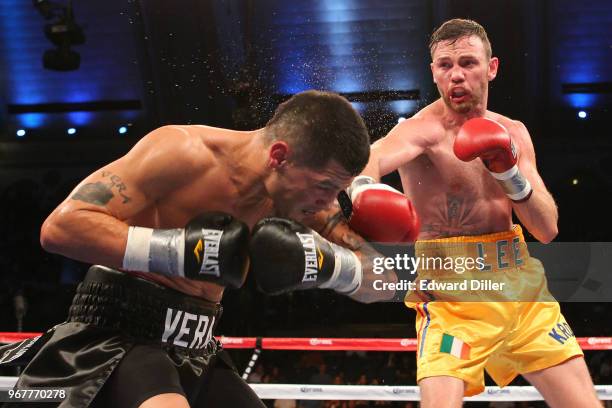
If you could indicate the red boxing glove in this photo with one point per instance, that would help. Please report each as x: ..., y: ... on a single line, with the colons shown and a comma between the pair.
x: 381, y: 213
x: 489, y: 140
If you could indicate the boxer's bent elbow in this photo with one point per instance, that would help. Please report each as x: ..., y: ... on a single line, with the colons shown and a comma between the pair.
x: 547, y: 235
x: 52, y: 235
x: 48, y: 238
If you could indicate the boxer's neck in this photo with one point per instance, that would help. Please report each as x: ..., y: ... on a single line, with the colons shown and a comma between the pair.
x: 247, y: 159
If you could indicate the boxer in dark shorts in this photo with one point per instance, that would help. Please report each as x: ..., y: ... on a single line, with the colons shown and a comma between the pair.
x: 140, y: 334
x: 155, y: 341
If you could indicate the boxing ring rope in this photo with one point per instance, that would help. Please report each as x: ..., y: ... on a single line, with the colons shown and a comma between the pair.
x: 327, y: 344
x: 355, y: 392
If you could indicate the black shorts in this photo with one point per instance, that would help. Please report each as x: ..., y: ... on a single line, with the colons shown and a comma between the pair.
x: 127, y: 339
x: 147, y: 371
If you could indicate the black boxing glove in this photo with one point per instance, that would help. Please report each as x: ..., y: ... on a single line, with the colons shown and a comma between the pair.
x: 286, y: 256
x: 213, y: 247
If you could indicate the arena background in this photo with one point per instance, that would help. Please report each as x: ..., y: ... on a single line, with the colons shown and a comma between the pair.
x: 228, y: 63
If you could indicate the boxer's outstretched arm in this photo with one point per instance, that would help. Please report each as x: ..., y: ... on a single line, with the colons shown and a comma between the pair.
x: 333, y: 226
x: 89, y: 225
x: 539, y: 213
x: 402, y: 144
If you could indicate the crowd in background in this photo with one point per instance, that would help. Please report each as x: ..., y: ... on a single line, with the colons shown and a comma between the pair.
x: 375, y: 368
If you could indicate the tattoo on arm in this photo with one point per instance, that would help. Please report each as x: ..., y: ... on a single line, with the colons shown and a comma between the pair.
x: 94, y: 193
x: 99, y: 193
x: 335, y: 228
x: 331, y: 222
x: 115, y: 181
x: 353, y: 240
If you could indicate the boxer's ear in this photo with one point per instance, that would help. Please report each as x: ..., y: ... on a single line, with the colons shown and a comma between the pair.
x: 278, y: 154
x: 493, y: 67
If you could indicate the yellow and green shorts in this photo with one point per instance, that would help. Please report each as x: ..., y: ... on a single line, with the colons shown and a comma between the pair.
x: 515, y: 330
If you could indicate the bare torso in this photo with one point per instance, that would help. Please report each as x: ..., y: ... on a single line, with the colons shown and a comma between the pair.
x: 170, y: 176
x: 452, y: 197
x: 216, y: 189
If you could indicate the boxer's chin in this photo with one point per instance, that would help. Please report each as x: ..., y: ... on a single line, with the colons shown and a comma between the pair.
x: 462, y: 108
x: 302, y: 214
x: 299, y: 215
x: 282, y: 212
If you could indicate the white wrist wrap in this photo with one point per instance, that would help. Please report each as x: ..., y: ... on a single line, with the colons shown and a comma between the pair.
x: 136, y: 257
x: 359, y: 183
x: 513, y: 183
x: 362, y: 183
x: 155, y: 250
x: 347, y: 275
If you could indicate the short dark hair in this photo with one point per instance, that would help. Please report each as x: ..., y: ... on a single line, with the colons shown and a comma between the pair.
x: 457, y: 28
x: 320, y: 127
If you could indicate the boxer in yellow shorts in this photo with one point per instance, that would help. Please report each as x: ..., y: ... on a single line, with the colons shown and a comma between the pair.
x: 462, y: 333
x: 468, y: 170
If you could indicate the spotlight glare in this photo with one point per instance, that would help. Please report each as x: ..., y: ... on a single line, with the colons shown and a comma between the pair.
x: 574, y: 181
x: 71, y: 131
x: 21, y: 133
x: 122, y: 130
x: 582, y: 114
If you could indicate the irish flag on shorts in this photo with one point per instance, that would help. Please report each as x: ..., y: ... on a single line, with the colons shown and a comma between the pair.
x: 454, y: 347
